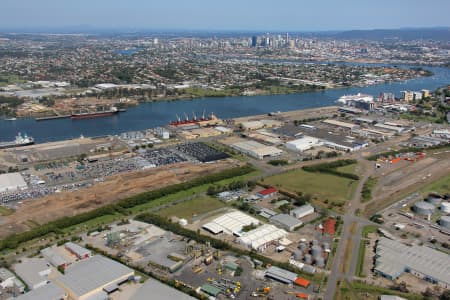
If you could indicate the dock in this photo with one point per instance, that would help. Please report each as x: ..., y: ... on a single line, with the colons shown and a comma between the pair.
x: 52, y: 117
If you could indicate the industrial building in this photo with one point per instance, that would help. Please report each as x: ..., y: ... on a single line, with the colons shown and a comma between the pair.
x: 77, y: 250
x: 48, y: 292
x: 344, y: 125
x: 94, y: 278
x: 256, y: 150
x: 395, y: 129
x: 394, y: 258
x: 281, y: 275
x: 445, y: 207
x: 54, y: 258
x: 259, y: 238
x: 230, y: 223
x: 12, y: 182
x: 303, y: 144
x: 267, y: 193
x: 286, y: 221
x: 34, y: 272
x: 155, y: 290
x: 254, y: 125
x: 445, y: 222
x: 302, y: 211
x: 6, y: 278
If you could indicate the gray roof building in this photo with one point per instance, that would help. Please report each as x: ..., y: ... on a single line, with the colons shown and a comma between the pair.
x: 33, y: 272
x: 394, y: 258
x: 158, y: 291
x: 97, y: 275
x: 286, y: 221
x: 281, y: 275
x: 48, y: 292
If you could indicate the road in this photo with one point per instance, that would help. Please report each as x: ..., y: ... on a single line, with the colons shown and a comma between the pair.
x: 348, y: 237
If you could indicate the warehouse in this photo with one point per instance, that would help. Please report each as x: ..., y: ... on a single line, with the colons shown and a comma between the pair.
x: 54, y: 258
x: 230, y: 223
x: 267, y: 193
x: 281, y: 275
x: 303, y: 144
x: 286, y: 221
x: 94, y: 278
x: 77, y: 250
x: 257, y: 150
x: 34, y: 272
x: 48, y: 292
x: 341, y: 124
x: 253, y: 125
x: 302, y: 211
x: 12, y: 182
x: 394, y: 258
x: 261, y: 237
x: 396, y: 129
x: 158, y: 291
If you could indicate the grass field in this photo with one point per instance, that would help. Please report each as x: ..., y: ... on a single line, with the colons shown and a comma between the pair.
x: 347, y: 169
x: 328, y: 190
x: 441, y: 186
x: 358, y: 290
x: 5, y: 211
x: 187, y: 209
x: 187, y: 193
x: 93, y: 223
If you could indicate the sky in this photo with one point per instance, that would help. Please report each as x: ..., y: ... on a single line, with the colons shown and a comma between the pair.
x: 263, y: 15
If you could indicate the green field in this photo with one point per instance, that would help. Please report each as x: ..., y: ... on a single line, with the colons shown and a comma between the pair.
x: 190, y: 208
x: 441, y: 186
x: 323, y: 187
x: 187, y: 193
x: 5, y: 211
x: 358, y: 290
x: 347, y: 169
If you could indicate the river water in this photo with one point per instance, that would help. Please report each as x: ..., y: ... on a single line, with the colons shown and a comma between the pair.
x: 149, y: 115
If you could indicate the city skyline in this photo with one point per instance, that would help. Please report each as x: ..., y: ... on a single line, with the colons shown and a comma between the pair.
x: 323, y: 15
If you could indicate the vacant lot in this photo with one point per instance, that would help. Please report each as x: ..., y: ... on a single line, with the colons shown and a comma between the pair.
x: 192, y: 208
x: 325, y: 188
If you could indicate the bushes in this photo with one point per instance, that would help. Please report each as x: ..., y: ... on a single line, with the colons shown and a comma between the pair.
x: 331, y: 167
x: 278, y: 162
x: 366, y: 193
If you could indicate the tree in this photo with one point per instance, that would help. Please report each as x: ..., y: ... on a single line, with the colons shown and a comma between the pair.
x: 445, y: 295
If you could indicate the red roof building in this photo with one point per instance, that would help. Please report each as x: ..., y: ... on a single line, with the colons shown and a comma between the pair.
x: 330, y: 226
x: 267, y: 193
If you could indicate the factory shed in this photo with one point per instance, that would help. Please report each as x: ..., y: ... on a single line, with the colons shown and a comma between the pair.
x: 155, y: 290
x: 286, y: 221
x: 54, y: 258
x: 394, y: 258
x: 48, y: 292
x: 77, y: 250
x: 34, y: 272
x: 302, y: 282
x: 281, y: 275
x: 267, y: 193
x: 94, y: 277
x: 340, y: 124
x: 303, y: 144
x: 259, y: 238
x: 256, y: 150
x: 12, y: 182
x: 230, y: 223
x: 210, y: 290
x: 302, y: 211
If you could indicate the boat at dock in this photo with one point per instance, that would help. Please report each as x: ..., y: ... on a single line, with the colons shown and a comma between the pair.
x: 94, y: 114
x: 20, y: 141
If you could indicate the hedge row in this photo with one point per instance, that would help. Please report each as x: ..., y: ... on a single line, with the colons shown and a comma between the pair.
x: 12, y: 241
x: 331, y: 167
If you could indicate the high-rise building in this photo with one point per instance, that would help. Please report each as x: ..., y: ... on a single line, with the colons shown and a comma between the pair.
x: 254, y: 41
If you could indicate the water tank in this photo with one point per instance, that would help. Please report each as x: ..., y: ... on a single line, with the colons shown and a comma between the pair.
x: 316, y: 251
x: 326, y: 246
x: 424, y: 208
x: 320, y: 262
x: 445, y: 207
x: 445, y: 222
x: 298, y: 255
x: 434, y: 200
x: 308, y: 259
x: 303, y: 247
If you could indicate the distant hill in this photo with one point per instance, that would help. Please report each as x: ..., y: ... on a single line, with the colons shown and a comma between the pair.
x: 438, y: 33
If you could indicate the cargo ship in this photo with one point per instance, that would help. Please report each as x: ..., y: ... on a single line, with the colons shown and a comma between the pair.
x: 204, y: 120
x: 94, y: 114
x: 20, y: 141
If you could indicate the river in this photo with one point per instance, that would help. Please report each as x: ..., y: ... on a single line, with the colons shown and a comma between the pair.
x: 149, y: 115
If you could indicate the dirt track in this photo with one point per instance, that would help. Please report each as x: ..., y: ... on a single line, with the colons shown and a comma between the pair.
x: 114, y: 188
